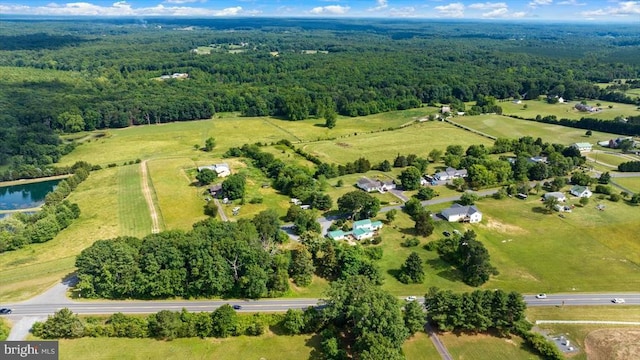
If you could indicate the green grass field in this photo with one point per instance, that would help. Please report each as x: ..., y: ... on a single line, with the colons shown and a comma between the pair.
x: 420, y: 347
x: 268, y: 347
x: 486, y: 347
x: 417, y: 139
x: 34, y: 268
x: 629, y: 183
x: 504, y: 126
x: 567, y: 110
x: 132, y: 208
x: 607, y: 158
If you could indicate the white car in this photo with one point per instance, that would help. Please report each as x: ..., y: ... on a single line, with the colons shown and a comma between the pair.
x: 411, y: 298
x: 541, y: 296
x: 618, y: 301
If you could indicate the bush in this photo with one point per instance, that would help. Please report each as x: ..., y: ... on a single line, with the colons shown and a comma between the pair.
x: 256, y: 200
x: 411, y: 242
x: 112, y: 165
x: 376, y: 240
x: 615, y: 197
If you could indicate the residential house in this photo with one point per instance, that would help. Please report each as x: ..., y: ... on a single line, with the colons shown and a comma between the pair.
x: 585, y: 108
x: 449, y: 174
x: 580, y: 191
x: 216, y: 189
x: 222, y: 169
x: 517, y: 101
x: 562, y: 208
x: 445, y: 109
x: 363, y: 229
x: 615, y: 143
x: 369, y: 185
x: 537, y: 159
x: 460, y: 213
x: 561, y: 100
x: 582, y: 146
x: 556, y: 194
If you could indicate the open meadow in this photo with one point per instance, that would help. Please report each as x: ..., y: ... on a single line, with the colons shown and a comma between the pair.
x: 506, y: 127
x: 567, y: 110
x: 632, y: 183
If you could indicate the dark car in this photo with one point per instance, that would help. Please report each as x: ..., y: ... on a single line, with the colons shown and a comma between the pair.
x: 5, y: 311
x: 446, y: 233
x: 237, y: 307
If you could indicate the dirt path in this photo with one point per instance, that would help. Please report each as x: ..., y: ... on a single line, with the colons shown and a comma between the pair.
x: 146, y: 191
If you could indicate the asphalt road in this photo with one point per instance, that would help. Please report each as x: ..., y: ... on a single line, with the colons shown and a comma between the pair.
x: 274, y: 305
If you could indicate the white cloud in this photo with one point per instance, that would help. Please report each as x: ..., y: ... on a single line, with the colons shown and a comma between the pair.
x: 120, y: 8
x: 571, y: 2
x: 408, y: 11
x: 536, y: 3
x: 488, y: 5
x: 181, y: 1
x: 381, y: 4
x: 331, y: 9
x: 503, y: 13
x: 451, y: 10
x: 624, y: 8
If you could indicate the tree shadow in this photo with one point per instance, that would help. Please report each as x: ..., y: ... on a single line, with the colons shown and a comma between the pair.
x: 540, y: 210
x: 446, y: 271
x: 320, y: 125
x: 394, y: 272
x: 409, y: 231
x: 315, y: 342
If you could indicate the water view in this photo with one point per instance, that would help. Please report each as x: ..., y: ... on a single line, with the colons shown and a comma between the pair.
x: 25, y: 196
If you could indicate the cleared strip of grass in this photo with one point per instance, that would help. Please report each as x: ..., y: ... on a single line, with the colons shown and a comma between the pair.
x: 268, y: 347
x: 629, y: 183
x: 567, y: 110
x: 419, y: 347
x: 485, y: 347
x: 596, y: 313
x: 34, y: 268
x: 132, y: 208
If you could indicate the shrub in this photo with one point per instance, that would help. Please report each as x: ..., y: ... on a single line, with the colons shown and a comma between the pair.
x: 411, y: 242
x: 376, y: 240
x: 256, y: 200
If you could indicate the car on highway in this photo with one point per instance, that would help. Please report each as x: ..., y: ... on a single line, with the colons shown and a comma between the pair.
x: 5, y: 311
x: 617, y: 301
x: 411, y: 298
x: 541, y: 296
x: 237, y: 307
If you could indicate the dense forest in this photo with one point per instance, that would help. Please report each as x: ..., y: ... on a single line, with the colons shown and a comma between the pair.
x: 62, y: 76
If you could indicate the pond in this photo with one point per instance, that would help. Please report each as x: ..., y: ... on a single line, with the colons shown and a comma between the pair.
x: 25, y: 196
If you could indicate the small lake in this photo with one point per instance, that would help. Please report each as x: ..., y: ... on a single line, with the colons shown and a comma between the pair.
x: 25, y: 196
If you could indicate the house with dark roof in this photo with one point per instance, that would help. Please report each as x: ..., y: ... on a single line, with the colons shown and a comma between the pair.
x: 461, y: 213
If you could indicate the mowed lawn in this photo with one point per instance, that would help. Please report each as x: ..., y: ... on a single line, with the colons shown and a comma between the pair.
x: 30, y: 270
x: 567, y: 110
x: 420, y: 347
x: 132, y: 207
x: 417, y: 139
x: 506, y: 127
x: 486, y: 347
x: 632, y: 183
x: 268, y: 347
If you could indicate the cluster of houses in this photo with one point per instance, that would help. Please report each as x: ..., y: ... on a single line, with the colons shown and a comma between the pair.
x: 577, y: 191
x: 222, y: 170
x: 586, y: 108
x: 615, y: 143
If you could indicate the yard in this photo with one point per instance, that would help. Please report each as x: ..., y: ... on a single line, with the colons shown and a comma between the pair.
x: 567, y: 110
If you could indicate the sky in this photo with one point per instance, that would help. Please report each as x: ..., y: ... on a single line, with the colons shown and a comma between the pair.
x: 568, y: 10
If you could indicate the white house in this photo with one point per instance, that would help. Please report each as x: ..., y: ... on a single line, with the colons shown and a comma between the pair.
x: 561, y: 100
x: 363, y: 229
x: 460, y: 213
x: 222, y: 169
x: 445, y: 109
x: 580, y: 191
x: 449, y: 174
x: 558, y: 195
x: 582, y: 147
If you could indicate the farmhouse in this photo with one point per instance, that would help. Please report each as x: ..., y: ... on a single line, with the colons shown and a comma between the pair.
x: 537, y: 159
x: 369, y: 185
x: 449, y: 174
x: 445, y: 109
x: 459, y: 213
x: 363, y: 229
x: 558, y: 195
x: 214, y: 190
x: 562, y: 208
x: 585, y: 108
x: 580, y: 191
x: 222, y: 169
x: 615, y: 143
x: 582, y: 147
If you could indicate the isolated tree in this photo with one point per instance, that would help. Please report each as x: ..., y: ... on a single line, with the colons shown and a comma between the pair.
x: 410, y: 178
x: 412, y: 270
x: 211, y: 209
x: 209, y: 144
x: 426, y: 193
x: 550, y: 203
x: 206, y: 176
x: 391, y: 215
x: 468, y: 198
x: 233, y: 187
x: 331, y: 119
x: 359, y: 205
x: 413, y: 207
x: 424, y: 224
x: 458, y: 183
x: 435, y: 155
x: 588, y: 133
x: 605, y: 178
x: 584, y: 201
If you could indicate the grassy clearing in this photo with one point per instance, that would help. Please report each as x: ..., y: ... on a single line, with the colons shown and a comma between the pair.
x: 34, y: 268
x: 417, y: 139
x: 481, y: 346
x: 595, y: 313
x: 608, y: 158
x: 419, y: 346
x: 132, y: 207
x: 506, y: 127
x: 567, y: 110
x: 265, y: 347
x: 629, y: 183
